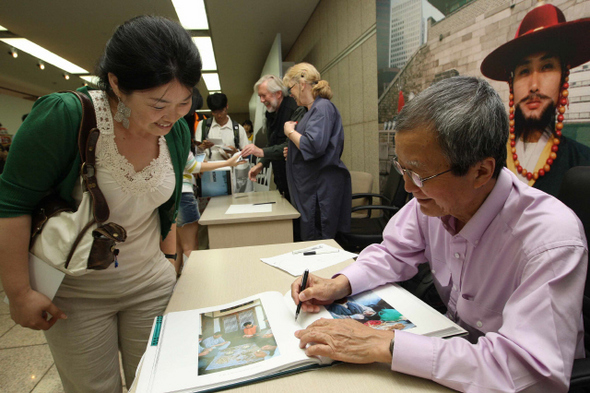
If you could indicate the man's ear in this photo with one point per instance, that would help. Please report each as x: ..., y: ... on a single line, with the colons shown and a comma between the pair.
x: 484, y: 171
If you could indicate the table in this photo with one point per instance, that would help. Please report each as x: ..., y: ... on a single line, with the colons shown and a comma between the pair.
x: 235, y: 230
x: 214, y: 277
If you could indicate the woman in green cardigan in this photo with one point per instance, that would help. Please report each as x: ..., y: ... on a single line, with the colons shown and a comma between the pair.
x: 147, y: 74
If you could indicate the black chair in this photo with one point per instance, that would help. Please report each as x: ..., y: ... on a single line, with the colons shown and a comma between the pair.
x: 575, y: 193
x: 369, y: 229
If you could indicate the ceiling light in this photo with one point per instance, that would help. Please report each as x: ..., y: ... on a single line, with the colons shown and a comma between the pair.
x: 192, y: 14
x: 66, y: 76
x: 12, y: 52
x: 43, y: 54
x: 92, y: 79
x: 41, y: 65
x: 205, y: 46
x: 2, y: 28
x: 212, y: 81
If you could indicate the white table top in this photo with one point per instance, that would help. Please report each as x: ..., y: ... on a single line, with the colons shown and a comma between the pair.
x: 215, y: 277
x: 214, y: 213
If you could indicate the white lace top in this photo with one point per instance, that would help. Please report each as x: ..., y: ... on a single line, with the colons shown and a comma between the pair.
x: 133, y: 199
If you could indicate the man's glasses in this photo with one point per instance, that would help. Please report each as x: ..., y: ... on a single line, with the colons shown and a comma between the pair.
x: 416, y: 179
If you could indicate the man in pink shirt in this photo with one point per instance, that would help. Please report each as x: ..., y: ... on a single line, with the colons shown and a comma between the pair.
x: 509, y: 261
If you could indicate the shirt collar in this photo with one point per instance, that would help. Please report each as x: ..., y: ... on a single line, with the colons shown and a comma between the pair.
x: 483, y: 217
x: 214, y: 123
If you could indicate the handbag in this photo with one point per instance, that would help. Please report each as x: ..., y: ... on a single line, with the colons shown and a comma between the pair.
x: 78, y: 240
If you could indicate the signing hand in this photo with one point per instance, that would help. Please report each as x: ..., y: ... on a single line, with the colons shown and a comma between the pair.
x: 31, y: 308
x: 254, y: 171
x: 320, y: 291
x: 252, y: 149
x: 346, y: 340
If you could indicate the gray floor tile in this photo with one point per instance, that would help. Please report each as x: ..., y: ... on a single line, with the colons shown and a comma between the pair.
x: 6, y: 323
x: 50, y: 383
x: 19, y: 336
x: 3, y: 306
x: 21, y: 368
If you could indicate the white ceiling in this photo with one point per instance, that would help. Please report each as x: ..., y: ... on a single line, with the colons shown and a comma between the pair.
x: 77, y: 30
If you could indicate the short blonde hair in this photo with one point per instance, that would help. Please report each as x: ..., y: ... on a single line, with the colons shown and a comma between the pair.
x: 306, y: 73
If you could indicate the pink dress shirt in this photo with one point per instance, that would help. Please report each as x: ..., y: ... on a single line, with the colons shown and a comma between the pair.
x: 513, y: 277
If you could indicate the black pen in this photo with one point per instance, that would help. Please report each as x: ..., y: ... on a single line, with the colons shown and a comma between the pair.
x: 263, y: 203
x: 301, y: 289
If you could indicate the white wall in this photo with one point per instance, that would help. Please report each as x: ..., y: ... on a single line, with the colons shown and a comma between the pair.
x: 11, y: 111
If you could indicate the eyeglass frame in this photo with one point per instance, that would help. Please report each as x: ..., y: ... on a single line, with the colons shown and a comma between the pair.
x: 292, y: 86
x: 416, y: 178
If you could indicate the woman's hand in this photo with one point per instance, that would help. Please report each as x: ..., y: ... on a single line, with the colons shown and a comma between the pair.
x: 289, y: 127
x: 236, y: 159
x: 31, y: 309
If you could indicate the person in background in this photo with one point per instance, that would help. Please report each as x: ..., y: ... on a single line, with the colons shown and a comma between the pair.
x: 508, y: 260
x: 147, y: 73
x: 319, y: 182
x: 536, y: 64
x: 247, y: 124
x: 220, y: 126
x: 280, y: 107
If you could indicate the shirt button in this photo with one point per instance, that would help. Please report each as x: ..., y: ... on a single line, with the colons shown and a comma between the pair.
x: 479, y: 324
x: 457, y: 255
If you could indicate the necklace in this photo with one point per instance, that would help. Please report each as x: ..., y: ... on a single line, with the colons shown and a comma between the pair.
x: 562, y: 102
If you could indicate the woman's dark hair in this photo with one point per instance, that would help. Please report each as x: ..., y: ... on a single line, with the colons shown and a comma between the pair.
x: 248, y: 122
x: 147, y: 52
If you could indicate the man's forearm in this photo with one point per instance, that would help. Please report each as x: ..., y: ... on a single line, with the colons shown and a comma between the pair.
x: 275, y: 152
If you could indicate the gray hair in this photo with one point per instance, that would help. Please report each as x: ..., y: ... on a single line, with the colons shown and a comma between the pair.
x: 469, y: 120
x: 273, y: 84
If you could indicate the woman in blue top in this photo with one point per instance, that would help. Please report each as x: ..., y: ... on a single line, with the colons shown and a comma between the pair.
x: 319, y: 182
x: 147, y: 74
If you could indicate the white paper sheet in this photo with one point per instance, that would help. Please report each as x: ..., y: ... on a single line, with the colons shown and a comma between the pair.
x: 296, y: 263
x: 249, y: 208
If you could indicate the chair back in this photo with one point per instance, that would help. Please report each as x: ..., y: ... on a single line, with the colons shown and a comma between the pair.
x: 263, y: 179
x: 394, y: 188
x: 362, y: 183
x: 575, y: 193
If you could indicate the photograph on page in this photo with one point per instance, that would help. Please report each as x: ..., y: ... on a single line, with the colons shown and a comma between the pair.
x: 247, y: 338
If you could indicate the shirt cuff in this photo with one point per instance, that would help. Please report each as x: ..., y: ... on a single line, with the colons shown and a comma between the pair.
x: 413, y: 354
x: 355, y: 273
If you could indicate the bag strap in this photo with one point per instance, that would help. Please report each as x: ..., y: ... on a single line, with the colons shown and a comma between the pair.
x: 236, y: 127
x: 87, y: 139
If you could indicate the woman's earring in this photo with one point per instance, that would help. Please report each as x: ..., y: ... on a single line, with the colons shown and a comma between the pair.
x: 123, y: 113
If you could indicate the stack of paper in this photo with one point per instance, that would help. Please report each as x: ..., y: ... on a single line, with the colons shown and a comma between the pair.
x: 312, y: 258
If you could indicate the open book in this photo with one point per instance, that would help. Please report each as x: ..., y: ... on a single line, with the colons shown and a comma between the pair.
x: 253, y: 339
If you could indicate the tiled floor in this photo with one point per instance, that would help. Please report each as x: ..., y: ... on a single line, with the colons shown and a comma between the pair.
x: 26, y: 365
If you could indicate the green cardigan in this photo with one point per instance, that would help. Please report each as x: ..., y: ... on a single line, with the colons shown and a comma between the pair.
x: 44, y: 157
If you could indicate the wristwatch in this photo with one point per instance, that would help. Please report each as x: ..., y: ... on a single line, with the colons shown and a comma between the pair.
x: 171, y: 256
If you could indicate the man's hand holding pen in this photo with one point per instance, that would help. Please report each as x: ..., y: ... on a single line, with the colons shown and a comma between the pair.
x: 340, y: 339
x: 319, y: 291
